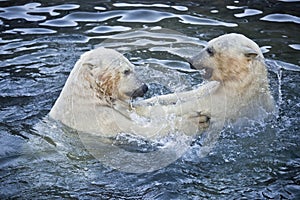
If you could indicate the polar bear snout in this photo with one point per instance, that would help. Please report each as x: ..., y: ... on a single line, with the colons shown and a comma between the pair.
x: 141, y: 91
x: 206, y: 72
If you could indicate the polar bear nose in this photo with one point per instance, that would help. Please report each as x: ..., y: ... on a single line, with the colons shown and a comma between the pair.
x: 140, y: 91
x: 144, y: 88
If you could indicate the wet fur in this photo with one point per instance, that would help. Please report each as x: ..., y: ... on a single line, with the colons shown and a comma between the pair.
x: 238, y: 64
x: 96, y: 99
x: 105, y: 86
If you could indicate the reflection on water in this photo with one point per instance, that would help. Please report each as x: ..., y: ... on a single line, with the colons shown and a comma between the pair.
x: 281, y: 18
x: 40, y: 42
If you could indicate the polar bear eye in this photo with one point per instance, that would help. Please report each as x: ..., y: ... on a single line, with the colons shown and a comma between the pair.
x: 127, y: 72
x: 210, y: 51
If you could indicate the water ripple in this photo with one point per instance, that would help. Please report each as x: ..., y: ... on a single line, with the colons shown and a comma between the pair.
x: 281, y: 18
x: 144, y: 16
x: 31, y: 31
x: 20, y: 12
x: 248, y: 12
x: 108, y: 29
x: 258, y: 162
x: 138, y: 16
x: 23, y: 12
x: 235, y: 7
x: 72, y: 19
x: 295, y: 46
x: 187, y: 19
x: 179, y: 8
x: 140, y: 5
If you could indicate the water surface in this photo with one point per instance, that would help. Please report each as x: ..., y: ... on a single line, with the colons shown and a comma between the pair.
x: 40, y: 43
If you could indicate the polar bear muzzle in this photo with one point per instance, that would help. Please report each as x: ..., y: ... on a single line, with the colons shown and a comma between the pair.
x: 141, y: 91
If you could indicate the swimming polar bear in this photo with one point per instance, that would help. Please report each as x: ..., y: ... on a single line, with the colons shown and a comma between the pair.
x: 97, y: 97
x: 238, y: 64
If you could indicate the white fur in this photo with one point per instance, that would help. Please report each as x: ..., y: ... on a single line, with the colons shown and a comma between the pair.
x: 238, y: 64
x: 96, y: 99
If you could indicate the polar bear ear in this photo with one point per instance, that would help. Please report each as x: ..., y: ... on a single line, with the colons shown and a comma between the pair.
x: 249, y: 52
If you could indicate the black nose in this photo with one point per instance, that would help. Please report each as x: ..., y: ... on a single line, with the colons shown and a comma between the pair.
x: 140, y: 91
x: 144, y: 88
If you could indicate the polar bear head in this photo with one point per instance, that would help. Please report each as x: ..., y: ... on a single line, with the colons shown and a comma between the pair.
x: 229, y: 58
x: 107, y: 75
x: 101, y: 81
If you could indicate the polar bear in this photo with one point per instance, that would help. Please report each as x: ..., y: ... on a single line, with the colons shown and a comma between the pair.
x: 97, y: 96
x: 238, y: 64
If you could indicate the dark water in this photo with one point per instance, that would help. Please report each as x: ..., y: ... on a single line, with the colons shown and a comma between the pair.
x: 40, y: 43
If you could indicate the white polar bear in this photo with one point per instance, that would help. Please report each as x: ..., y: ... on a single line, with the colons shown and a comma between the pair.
x: 96, y: 99
x: 238, y: 64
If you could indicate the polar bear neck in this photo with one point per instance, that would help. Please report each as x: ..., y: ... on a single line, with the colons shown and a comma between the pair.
x: 75, y: 97
x: 255, y: 78
x: 252, y: 91
x: 78, y: 97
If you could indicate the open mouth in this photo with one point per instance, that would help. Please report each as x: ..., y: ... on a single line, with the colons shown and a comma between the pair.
x: 206, y: 72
